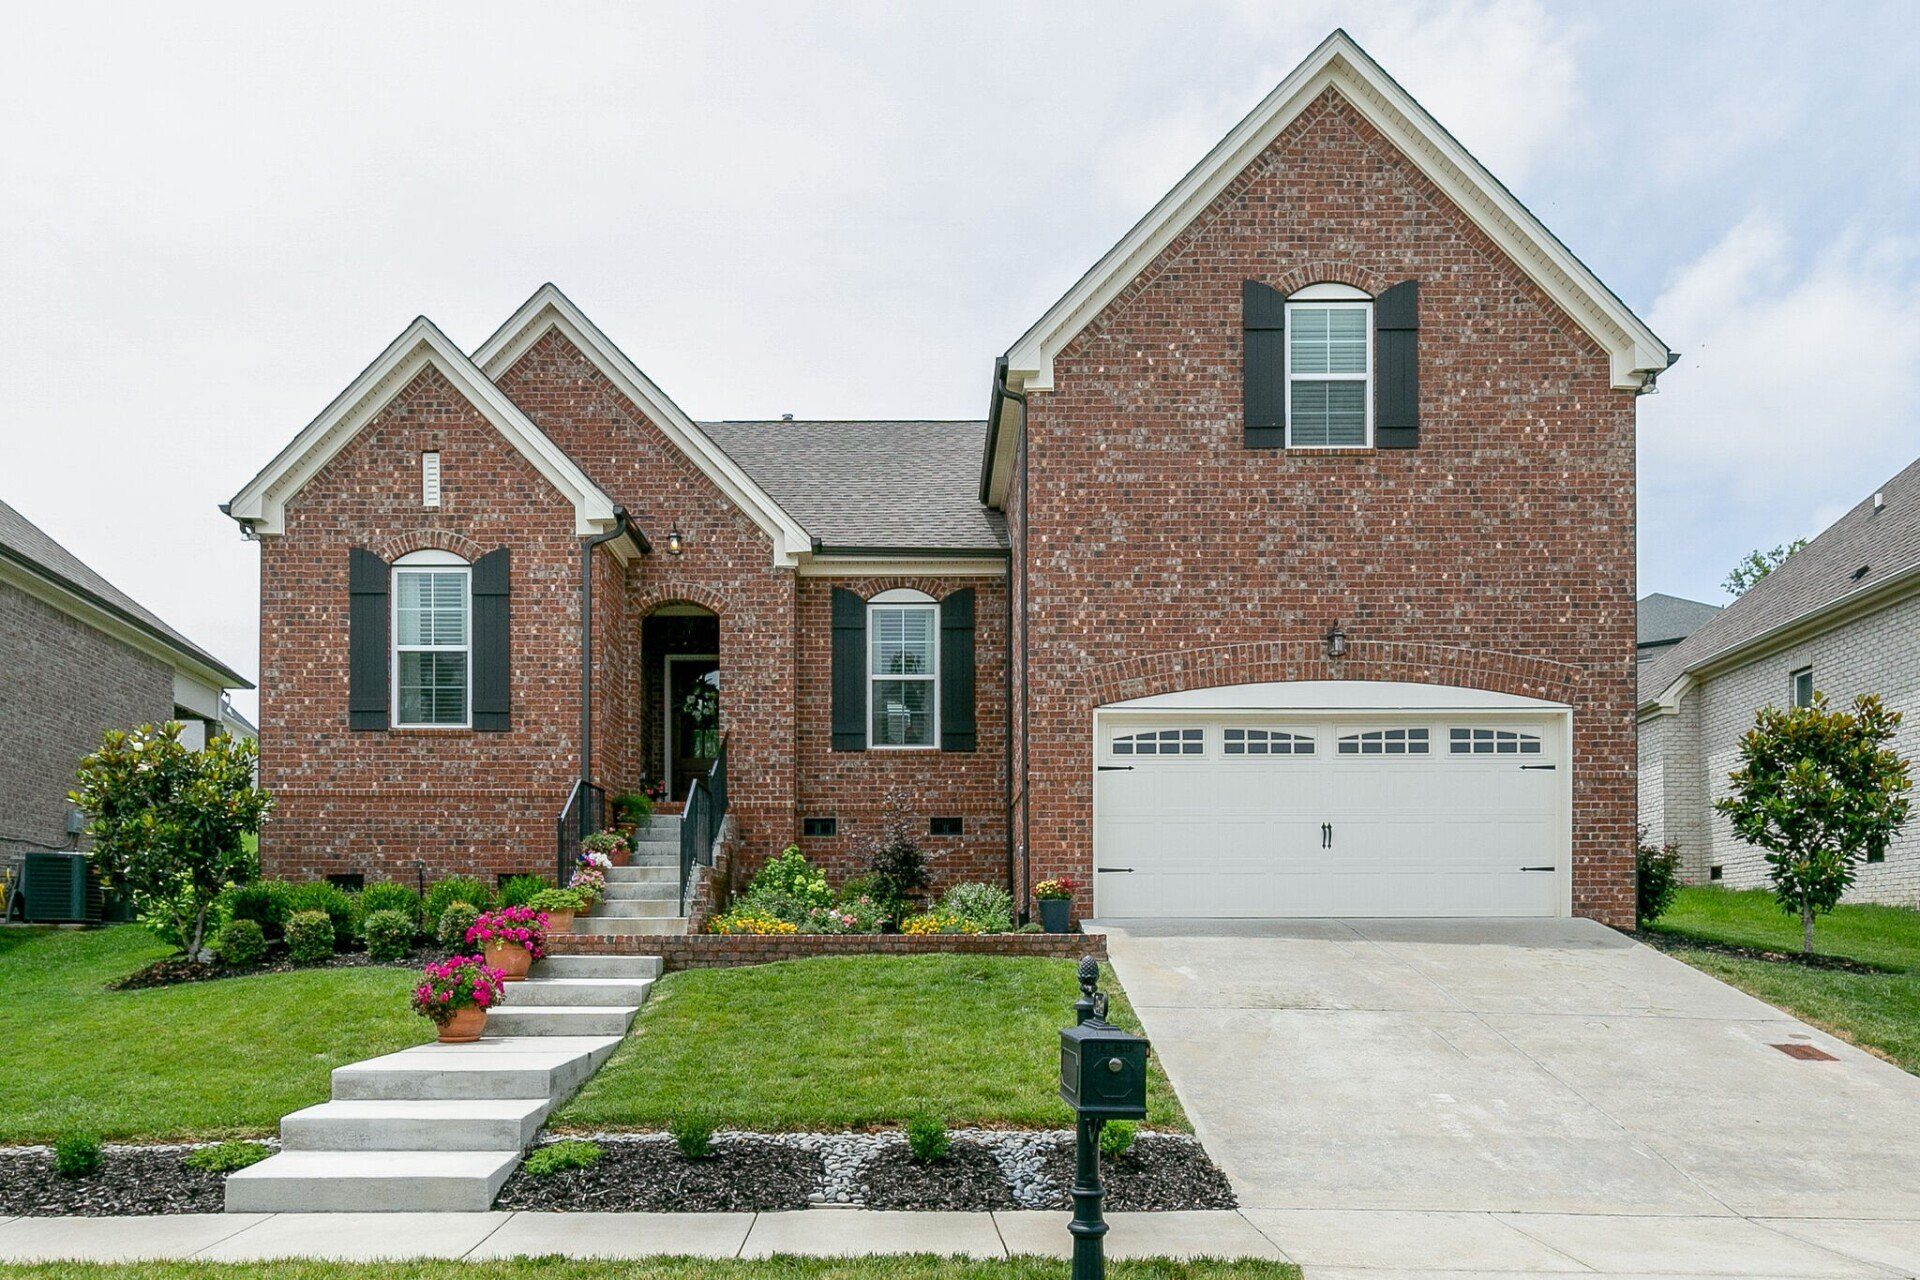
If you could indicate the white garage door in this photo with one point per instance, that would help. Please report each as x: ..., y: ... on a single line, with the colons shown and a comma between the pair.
x: 1371, y: 813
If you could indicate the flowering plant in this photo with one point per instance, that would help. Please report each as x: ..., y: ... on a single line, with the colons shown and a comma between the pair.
x: 747, y: 919
x: 517, y: 926
x: 1061, y: 888
x: 607, y: 843
x: 933, y: 922
x: 590, y: 881
x: 589, y: 858
x: 459, y: 982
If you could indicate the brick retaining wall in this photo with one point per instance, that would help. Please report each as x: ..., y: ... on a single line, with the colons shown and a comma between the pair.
x: 723, y: 951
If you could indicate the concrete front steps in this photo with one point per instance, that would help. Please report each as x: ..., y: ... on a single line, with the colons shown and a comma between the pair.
x: 441, y: 1126
x: 643, y: 897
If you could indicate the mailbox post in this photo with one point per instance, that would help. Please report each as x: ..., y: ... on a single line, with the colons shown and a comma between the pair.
x: 1103, y: 1076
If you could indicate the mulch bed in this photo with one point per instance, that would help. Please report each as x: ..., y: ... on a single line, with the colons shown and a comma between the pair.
x: 745, y: 1174
x: 968, y: 1179
x: 1838, y: 964
x: 130, y: 1180
x: 178, y: 969
x: 1155, y: 1174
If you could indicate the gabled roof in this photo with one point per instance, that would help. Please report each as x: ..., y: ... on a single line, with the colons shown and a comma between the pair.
x: 1661, y: 619
x: 870, y: 486
x: 1868, y: 557
x: 28, y: 548
x: 549, y: 309
x: 261, y: 505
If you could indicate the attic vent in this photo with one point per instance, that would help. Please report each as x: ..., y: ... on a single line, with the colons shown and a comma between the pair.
x: 430, y: 480
x: 1879, y: 502
x: 786, y: 417
x: 1861, y: 572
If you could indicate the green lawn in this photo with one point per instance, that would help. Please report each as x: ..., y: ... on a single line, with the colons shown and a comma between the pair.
x: 911, y: 1267
x: 1877, y: 1011
x: 852, y: 1041
x: 204, y: 1059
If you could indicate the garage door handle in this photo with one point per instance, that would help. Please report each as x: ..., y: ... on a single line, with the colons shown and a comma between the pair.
x: 1536, y: 766
x: 1115, y: 768
x: 1539, y: 868
x: 1108, y: 871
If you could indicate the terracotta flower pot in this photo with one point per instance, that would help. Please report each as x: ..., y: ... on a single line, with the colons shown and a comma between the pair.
x: 559, y: 922
x: 511, y: 959
x: 466, y: 1024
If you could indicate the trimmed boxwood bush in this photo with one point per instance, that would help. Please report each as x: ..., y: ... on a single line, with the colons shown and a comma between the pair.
x: 309, y: 937
x: 240, y: 943
x: 267, y: 903
x: 518, y: 891
x: 331, y: 901
x: 928, y: 1139
x: 390, y: 895
x: 389, y: 935
x: 546, y: 1161
x: 451, y: 932
x: 444, y: 893
x: 76, y: 1153
x: 693, y: 1133
x: 1116, y: 1137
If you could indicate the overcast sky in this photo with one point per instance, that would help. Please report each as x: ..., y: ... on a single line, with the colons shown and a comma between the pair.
x: 211, y: 218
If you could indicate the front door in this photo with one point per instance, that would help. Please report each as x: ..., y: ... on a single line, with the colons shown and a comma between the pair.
x: 693, y: 720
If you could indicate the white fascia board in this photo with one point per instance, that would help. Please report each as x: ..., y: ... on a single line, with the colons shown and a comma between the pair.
x: 550, y: 309
x: 1636, y: 354
x: 1336, y: 695
x: 261, y: 505
x: 196, y: 695
x: 870, y: 566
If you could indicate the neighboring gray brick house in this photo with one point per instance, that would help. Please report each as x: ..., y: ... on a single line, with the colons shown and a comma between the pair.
x: 1841, y: 616
x: 80, y: 657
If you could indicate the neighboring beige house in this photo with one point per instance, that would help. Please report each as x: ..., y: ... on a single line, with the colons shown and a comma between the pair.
x: 1840, y: 616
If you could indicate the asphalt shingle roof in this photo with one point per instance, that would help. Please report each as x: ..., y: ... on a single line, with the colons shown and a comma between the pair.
x: 23, y: 541
x: 1664, y: 619
x: 1858, y: 551
x: 896, y: 484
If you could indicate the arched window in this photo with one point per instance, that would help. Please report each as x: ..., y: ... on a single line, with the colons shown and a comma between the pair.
x: 903, y: 645
x: 432, y: 641
x: 1329, y: 370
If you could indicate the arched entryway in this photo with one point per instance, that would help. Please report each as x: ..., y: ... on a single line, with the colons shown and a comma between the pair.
x: 681, y: 706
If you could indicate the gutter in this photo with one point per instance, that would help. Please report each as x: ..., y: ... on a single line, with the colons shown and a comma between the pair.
x: 1001, y: 394
x: 623, y: 527
x: 918, y: 553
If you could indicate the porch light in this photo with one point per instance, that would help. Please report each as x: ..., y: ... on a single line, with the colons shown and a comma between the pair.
x: 1336, y: 642
x: 675, y: 542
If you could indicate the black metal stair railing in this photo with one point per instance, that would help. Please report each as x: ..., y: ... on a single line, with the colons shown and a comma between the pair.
x: 585, y: 813
x: 700, y: 820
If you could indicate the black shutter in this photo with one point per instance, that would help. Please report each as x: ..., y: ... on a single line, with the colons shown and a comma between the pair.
x: 492, y: 644
x: 1396, y: 339
x: 368, y: 642
x: 1263, y: 394
x: 849, y: 671
x: 956, y: 671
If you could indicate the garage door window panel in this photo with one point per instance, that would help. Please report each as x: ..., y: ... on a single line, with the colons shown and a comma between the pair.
x: 1386, y: 742
x: 1492, y: 742
x: 1267, y: 742
x: 1161, y: 742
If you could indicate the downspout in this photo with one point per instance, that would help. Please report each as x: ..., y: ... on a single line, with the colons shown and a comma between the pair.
x: 623, y: 527
x: 1015, y: 886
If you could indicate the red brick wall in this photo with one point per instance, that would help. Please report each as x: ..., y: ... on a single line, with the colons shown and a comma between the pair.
x: 459, y: 801
x: 726, y: 951
x: 1499, y: 554
x: 852, y: 785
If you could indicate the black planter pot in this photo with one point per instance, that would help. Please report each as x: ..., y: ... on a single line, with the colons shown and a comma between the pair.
x: 1056, y: 914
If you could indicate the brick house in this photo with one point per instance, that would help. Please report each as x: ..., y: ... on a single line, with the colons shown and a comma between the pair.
x: 1840, y: 616
x: 79, y: 657
x: 1290, y: 572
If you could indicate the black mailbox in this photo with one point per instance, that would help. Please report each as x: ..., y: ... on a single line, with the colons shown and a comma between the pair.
x: 1103, y: 1071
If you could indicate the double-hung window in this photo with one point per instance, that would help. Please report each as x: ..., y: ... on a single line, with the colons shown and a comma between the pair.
x: 432, y: 641
x: 1800, y: 687
x: 1329, y: 368
x: 903, y: 637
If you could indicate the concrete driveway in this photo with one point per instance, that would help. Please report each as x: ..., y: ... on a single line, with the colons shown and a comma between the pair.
x: 1519, y: 1096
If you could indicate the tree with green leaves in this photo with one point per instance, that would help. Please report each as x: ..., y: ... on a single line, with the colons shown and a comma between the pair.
x: 169, y: 824
x: 1757, y: 564
x: 1818, y: 789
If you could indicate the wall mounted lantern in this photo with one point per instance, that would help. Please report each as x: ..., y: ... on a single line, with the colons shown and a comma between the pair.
x: 676, y: 543
x: 1336, y: 642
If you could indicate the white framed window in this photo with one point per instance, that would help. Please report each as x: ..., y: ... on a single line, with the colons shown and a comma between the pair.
x: 430, y: 479
x: 1492, y: 742
x: 903, y: 665
x: 432, y: 641
x: 1385, y: 742
x: 1800, y: 687
x: 1161, y: 742
x: 1329, y: 368
x: 1267, y: 742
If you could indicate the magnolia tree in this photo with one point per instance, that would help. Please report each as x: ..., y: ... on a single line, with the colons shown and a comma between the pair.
x: 1817, y: 790
x: 169, y: 824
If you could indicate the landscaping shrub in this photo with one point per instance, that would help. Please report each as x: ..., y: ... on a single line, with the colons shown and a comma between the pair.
x: 451, y: 931
x: 390, y: 895
x: 226, y: 1157
x: 267, y: 903
x: 1657, y: 878
x: 635, y: 807
x: 240, y: 943
x: 942, y: 921
x: 1116, y: 1138
x: 987, y: 905
x: 518, y: 891
x: 860, y: 912
x: 389, y: 934
x: 559, y: 900
x: 444, y: 893
x: 928, y: 1139
x: 76, y: 1153
x: 331, y: 901
x: 693, y: 1133
x: 894, y: 859
x: 791, y: 878
x: 546, y: 1161
x: 745, y: 918
x: 309, y: 937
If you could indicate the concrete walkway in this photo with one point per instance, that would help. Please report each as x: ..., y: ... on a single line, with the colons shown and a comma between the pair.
x: 1330, y: 1245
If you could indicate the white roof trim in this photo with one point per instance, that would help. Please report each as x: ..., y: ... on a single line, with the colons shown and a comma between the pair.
x: 261, y: 505
x: 1637, y: 355
x: 1336, y: 695
x: 550, y: 309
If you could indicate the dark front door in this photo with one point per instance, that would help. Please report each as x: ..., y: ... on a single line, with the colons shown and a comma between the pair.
x: 693, y: 720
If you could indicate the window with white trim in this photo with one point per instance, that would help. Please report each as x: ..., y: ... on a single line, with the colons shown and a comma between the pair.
x: 1491, y: 742
x: 903, y: 695
x: 1160, y: 742
x: 1329, y: 368
x: 432, y: 641
x: 1267, y: 742
x: 1800, y: 687
x: 1385, y: 742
